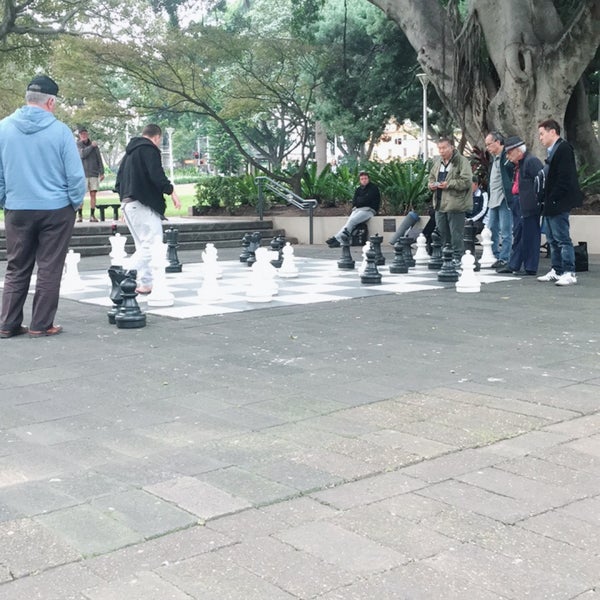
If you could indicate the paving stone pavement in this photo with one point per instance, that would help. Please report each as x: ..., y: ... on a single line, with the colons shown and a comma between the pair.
x: 418, y: 446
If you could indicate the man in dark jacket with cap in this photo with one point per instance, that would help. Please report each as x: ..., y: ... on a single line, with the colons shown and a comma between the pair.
x: 525, y: 252
x: 141, y: 183
x: 561, y: 194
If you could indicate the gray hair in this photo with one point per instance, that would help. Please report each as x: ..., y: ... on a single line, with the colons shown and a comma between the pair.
x: 522, y: 148
x: 37, y: 98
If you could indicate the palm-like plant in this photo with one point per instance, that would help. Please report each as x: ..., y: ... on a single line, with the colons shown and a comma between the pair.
x: 403, y: 185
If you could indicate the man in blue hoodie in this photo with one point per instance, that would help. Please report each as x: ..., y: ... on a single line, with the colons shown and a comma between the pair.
x: 42, y: 185
x: 141, y: 185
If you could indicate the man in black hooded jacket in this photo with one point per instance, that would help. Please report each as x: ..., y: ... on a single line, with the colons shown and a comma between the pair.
x: 141, y: 183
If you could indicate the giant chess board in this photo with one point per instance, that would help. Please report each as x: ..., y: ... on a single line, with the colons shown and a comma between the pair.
x: 318, y: 280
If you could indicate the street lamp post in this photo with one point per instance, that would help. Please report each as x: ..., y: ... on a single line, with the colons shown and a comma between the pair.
x: 170, y: 131
x: 424, y: 82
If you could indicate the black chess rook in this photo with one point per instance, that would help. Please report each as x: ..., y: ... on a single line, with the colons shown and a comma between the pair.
x: 376, y: 241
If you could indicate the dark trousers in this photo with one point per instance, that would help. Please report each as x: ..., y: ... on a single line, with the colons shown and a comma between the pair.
x: 525, y: 250
x: 451, y: 226
x: 32, y: 236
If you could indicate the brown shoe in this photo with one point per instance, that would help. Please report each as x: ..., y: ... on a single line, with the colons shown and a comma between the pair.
x: 54, y: 330
x: 79, y: 220
x: 93, y: 220
x: 143, y: 290
x: 4, y: 333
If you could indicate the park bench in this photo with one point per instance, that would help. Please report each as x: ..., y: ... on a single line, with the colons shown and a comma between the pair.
x: 102, y: 208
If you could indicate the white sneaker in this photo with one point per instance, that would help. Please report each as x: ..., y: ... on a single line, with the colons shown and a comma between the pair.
x: 567, y: 279
x: 549, y: 276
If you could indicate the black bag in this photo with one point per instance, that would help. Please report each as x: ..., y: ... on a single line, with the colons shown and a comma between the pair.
x: 581, y: 257
x: 359, y: 235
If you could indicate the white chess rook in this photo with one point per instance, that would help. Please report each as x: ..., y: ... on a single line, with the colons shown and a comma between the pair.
x: 468, y: 282
x: 487, y: 256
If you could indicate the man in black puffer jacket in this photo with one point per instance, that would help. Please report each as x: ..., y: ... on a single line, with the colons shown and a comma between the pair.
x: 141, y: 183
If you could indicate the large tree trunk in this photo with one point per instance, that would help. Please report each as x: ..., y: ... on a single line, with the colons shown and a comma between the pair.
x: 535, y: 61
x: 579, y: 130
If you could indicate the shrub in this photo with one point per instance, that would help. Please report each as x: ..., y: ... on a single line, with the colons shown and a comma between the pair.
x: 403, y: 185
x: 217, y: 192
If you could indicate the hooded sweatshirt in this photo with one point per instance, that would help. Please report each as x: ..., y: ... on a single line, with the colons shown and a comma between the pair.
x: 141, y: 175
x: 40, y: 168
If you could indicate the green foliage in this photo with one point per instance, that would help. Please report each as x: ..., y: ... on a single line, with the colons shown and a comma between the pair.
x: 328, y: 187
x: 403, y: 185
x: 221, y: 192
x: 590, y: 184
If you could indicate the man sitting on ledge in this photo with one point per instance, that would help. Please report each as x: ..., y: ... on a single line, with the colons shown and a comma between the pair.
x: 365, y: 205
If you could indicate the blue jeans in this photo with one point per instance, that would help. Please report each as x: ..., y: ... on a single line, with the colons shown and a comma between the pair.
x: 562, y: 254
x: 500, y: 223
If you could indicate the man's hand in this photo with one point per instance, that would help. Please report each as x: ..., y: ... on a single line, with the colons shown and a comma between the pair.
x: 175, y: 199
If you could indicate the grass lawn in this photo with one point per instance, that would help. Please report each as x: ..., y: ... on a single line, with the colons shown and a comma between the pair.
x: 185, y: 191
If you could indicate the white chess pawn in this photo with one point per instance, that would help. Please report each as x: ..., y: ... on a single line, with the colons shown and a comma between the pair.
x: 468, y: 282
x: 160, y: 295
x: 288, y: 266
x: 71, y: 280
x: 421, y: 256
x: 117, y: 244
x: 487, y: 256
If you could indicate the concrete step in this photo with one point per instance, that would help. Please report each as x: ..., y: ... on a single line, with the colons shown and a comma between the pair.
x: 92, y: 239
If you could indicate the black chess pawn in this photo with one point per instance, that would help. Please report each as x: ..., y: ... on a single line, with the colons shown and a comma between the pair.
x: 376, y: 244
x: 371, y: 274
x: 398, y: 264
x: 129, y: 315
x: 435, y: 262
x: 407, y: 251
x: 116, y: 274
x: 171, y: 238
x: 448, y: 272
x: 255, y: 240
x: 469, y: 241
x: 346, y: 261
x: 246, y: 239
x: 277, y: 244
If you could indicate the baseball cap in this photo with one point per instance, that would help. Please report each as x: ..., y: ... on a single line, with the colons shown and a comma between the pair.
x: 44, y: 85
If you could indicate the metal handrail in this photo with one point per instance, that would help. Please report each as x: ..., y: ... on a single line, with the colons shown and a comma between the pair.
x: 290, y: 197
